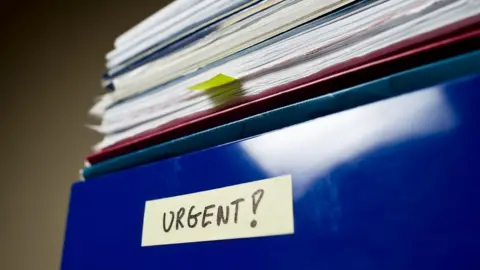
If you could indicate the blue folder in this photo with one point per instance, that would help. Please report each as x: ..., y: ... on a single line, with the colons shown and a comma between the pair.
x: 393, y: 85
x: 389, y: 185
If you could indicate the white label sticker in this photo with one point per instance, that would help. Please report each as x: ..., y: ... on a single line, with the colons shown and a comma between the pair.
x: 254, y: 209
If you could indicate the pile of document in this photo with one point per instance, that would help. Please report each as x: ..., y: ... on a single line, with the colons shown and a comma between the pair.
x: 197, y: 55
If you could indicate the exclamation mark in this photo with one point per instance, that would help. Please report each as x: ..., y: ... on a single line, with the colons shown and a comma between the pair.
x: 256, y: 198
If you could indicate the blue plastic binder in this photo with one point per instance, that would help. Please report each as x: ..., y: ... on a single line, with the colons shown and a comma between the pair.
x: 389, y: 185
x: 390, y: 86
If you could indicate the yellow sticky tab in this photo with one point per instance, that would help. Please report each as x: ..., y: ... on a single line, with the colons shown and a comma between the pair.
x: 215, y: 81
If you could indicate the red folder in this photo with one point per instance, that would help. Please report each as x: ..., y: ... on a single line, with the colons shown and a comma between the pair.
x: 441, y: 43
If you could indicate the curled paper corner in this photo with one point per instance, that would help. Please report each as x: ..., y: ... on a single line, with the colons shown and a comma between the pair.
x: 216, y: 81
x: 99, y: 146
x: 101, y: 105
x: 94, y: 127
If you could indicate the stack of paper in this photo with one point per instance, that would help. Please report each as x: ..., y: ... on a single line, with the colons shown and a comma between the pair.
x: 197, y: 55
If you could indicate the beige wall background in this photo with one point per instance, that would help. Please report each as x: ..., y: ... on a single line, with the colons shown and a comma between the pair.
x: 51, y: 59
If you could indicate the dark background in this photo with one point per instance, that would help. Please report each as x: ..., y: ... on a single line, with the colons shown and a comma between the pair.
x: 51, y: 60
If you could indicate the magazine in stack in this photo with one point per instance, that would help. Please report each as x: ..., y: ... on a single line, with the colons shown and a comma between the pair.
x: 197, y: 55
